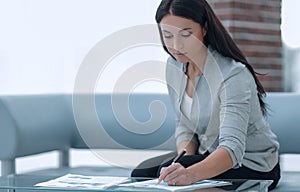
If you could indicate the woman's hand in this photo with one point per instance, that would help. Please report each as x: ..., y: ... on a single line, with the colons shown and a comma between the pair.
x: 176, y: 174
x: 216, y: 163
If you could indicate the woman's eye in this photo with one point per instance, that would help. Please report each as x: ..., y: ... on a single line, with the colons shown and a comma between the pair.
x: 186, y: 34
x: 168, y: 36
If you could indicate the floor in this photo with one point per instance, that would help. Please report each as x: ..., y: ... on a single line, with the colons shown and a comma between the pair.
x: 119, y: 158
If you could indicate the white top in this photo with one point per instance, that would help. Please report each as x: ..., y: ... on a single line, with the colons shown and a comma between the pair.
x: 186, y: 105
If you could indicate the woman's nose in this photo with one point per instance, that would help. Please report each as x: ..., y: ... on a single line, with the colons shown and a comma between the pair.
x: 177, y: 44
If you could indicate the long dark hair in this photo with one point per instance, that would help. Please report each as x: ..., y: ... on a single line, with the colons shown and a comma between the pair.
x: 217, y: 36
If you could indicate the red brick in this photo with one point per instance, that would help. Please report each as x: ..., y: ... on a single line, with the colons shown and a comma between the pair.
x: 255, y: 27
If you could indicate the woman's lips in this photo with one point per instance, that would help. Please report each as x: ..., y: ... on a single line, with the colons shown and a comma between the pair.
x: 179, y: 53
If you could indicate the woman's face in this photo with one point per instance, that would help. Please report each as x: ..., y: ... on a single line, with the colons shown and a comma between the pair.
x: 182, y: 37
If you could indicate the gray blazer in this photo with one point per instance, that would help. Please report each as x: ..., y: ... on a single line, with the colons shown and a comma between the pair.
x: 225, y: 112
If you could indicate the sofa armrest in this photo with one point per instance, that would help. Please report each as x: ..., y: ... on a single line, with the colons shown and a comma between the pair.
x: 8, y: 134
x: 32, y: 124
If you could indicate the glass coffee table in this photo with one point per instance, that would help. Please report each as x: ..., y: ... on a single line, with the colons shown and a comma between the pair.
x: 25, y: 183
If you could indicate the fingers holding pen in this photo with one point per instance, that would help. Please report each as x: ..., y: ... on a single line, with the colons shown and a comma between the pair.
x: 169, y: 174
x: 163, y: 173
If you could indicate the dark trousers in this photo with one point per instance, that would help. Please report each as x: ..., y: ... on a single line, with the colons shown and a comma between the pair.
x: 146, y: 170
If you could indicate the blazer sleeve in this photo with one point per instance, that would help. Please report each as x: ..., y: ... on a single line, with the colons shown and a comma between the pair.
x: 235, y: 95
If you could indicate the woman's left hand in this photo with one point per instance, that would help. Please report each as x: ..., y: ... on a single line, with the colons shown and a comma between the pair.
x: 176, y: 174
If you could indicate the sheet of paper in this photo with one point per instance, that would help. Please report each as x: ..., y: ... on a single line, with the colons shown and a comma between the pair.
x: 83, y: 182
x: 199, y: 185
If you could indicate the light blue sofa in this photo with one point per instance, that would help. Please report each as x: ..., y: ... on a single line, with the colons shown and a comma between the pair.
x: 33, y: 124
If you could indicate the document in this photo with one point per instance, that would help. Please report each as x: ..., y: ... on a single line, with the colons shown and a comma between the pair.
x: 164, y: 186
x: 83, y: 182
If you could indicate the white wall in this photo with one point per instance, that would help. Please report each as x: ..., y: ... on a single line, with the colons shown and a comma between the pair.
x: 43, y: 42
x: 291, y: 68
x: 291, y: 45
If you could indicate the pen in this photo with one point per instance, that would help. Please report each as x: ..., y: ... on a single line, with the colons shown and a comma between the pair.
x: 175, y: 160
x: 179, y: 156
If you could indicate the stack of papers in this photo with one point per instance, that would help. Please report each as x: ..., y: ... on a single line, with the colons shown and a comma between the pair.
x: 82, y: 182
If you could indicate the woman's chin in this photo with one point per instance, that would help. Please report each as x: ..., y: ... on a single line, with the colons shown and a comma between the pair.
x: 181, y: 59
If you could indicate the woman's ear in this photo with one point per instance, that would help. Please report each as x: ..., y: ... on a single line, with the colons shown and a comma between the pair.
x: 205, y: 29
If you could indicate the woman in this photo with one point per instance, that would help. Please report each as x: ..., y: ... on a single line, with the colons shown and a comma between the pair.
x: 217, y: 98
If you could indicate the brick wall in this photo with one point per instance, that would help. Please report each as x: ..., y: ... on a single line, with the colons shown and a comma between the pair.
x: 255, y: 27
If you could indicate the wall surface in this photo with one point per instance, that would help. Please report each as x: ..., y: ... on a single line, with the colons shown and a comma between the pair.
x: 43, y: 43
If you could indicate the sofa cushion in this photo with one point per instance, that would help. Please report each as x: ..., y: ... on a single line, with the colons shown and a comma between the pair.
x: 284, y: 119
